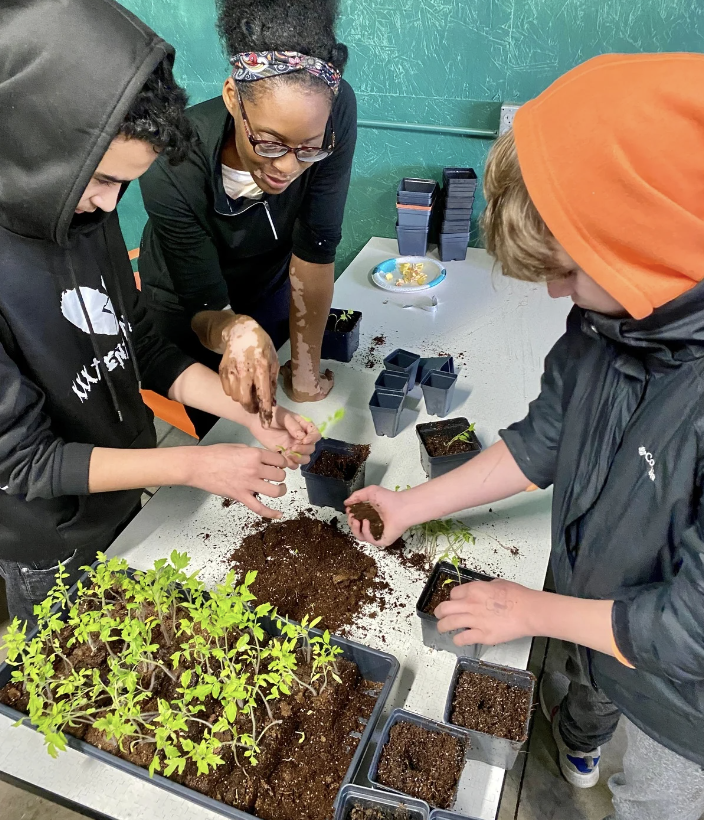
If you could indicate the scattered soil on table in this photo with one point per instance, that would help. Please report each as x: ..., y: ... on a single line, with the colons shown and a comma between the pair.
x: 441, y: 592
x: 488, y: 705
x: 362, y: 813
x: 341, y: 465
x: 437, y: 444
x: 227, y: 502
x: 373, y: 357
x: 415, y: 560
x: 343, y: 325
x: 308, y: 567
x: 422, y: 763
x: 365, y: 511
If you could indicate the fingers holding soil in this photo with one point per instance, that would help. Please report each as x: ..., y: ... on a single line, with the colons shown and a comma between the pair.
x: 364, y: 511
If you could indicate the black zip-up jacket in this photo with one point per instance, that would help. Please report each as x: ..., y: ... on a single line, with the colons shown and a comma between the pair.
x: 203, y: 251
x: 71, y: 319
x: 618, y: 430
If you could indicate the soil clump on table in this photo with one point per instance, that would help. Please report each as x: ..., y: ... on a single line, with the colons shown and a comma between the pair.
x: 309, y: 567
x: 366, y: 512
x: 485, y: 704
x: 444, y: 585
x: 341, y: 465
x: 422, y: 763
x: 438, y: 444
x: 373, y: 358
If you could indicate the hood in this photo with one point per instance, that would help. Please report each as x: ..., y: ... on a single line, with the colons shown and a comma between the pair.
x: 611, y: 154
x: 69, y: 72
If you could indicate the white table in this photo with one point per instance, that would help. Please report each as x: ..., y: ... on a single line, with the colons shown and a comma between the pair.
x: 499, y: 332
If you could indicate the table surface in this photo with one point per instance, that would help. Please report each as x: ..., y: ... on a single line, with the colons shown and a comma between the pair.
x: 499, y: 332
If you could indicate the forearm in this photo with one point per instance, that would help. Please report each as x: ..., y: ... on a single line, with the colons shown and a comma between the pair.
x: 208, y: 325
x: 200, y: 387
x: 488, y: 477
x: 311, y: 296
x: 577, y: 620
x: 112, y: 469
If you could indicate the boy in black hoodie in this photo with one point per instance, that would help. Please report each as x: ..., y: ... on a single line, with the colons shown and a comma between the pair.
x: 76, y: 342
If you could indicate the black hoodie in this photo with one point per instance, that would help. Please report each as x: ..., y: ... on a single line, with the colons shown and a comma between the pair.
x: 71, y: 320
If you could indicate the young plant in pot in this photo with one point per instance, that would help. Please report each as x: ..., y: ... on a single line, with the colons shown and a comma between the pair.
x: 445, y: 445
x: 341, y: 336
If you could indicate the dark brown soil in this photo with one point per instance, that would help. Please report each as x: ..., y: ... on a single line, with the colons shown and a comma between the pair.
x: 362, y: 813
x: 437, y: 444
x: 365, y: 511
x: 422, y: 763
x: 373, y: 358
x: 441, y: 592
x: 308, y: 567
x: 488, y: 705
x: 340, y: 465
x: 343, y: 325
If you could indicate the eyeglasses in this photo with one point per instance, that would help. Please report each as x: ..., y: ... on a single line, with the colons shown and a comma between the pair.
x: 272, y: 150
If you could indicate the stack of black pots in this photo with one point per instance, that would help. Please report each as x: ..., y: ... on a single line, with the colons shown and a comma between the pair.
x: 459, y: 188
x: 415, y: 200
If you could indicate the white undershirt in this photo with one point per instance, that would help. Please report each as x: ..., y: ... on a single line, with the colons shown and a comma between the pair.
x: 239, y: 183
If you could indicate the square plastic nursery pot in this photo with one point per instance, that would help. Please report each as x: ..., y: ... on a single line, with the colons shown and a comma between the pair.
x: 392, y: 382
x: 413, y: 191
x: 325, y: 491
x: 438, y: 389
x: 453, y: 246
x: 497, y: 751
x: 412, y: 241
x: 386, y: 412
x: 448, y: 228
x: 402, y: 361
x: 403, y: 716
x: 375, y: 666
x: 352, y: 796
x: 443, y: 363
x: 435, y: 466
x: 459, y: 178
x: 429, y: 623
x: 409, y: 217
x: 340, y: 345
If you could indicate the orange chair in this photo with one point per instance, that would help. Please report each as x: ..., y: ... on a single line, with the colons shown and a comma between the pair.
x: 172, y: 412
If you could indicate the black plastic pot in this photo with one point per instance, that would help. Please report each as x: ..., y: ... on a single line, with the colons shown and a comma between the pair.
x: 429, y: 623
x: 412, y: 241
x: 379, y: 667
x: 444, y: 363
x: 453, y: 246
x: 352, y: 796
x: 459, y: 179
x: 324, y: 491
x: 403, y: 361
x: 341, y: 346
x: 449, y: 228
x: 435, y: 466
x: 497, y: 751
x: 409, y: 217
x: 412, y: 191
x: 403, y: 716
x: 438, y: 389
x: 386, y: 411
x: 391, y: 381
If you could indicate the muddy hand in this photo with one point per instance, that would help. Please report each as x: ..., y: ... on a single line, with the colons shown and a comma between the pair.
x: 372, y: 509
x: 298, y: 393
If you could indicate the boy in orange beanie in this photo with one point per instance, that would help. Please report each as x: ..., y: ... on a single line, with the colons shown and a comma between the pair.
x: 604, y: 201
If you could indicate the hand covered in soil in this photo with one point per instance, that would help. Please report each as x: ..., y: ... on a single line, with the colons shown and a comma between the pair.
x: 302, y: 393
x: 388, y: 504
x: 288, y: 434
x: 490, y: 612
x: 238, y: 472
x: 249, y: 367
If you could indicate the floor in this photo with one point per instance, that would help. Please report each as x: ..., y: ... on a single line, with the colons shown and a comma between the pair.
x: 534, y: 789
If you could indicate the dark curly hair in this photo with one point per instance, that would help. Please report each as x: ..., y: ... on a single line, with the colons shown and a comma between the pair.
x: 306, y: 26
x: 158, y: 117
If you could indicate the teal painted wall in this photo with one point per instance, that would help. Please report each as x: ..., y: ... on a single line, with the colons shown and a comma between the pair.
x: 446, y: 62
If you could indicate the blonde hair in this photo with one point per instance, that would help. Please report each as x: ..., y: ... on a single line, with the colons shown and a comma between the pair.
x: 514, y: 232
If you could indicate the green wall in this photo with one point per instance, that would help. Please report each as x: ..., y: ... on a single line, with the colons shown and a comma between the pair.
x: 445, y: 62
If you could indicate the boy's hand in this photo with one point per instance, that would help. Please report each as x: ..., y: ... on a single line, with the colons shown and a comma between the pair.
x: 289, y: 434
x: 389, y: 505
x: 490, y: 612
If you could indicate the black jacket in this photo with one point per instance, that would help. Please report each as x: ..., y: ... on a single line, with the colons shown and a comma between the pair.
x: 618, y: 430
x: 68, y: 74
x: 201, y: 250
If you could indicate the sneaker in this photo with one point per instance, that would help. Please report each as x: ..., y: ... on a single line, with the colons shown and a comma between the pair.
x: 580, y: 769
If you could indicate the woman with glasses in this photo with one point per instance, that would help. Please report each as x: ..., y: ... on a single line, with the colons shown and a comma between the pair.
x: 241, y: 238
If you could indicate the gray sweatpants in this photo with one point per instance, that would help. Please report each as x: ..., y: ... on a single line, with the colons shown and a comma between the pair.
x: 656, y: 783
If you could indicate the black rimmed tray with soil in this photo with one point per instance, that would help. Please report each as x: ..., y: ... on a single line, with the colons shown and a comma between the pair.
x: 420, y: 757
x: 445, y: 445
x: 493, y: 705
x: 341, y: 336
x: 362, y: 803
x: 441, y: 581
x: 335, y: 470
x: 140, y: 674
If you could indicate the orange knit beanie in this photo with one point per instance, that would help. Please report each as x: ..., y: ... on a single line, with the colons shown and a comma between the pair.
x: 612, y: 155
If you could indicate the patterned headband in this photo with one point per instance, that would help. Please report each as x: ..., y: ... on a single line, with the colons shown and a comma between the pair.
x: 258, y: 65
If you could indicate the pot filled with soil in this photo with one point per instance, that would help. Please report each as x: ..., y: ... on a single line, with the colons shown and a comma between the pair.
x: 445, y: 445
x: 392, y: 382
x: 493, y: 705
x: 386, y: 409
x: 441, y: 581
x: 438, y: 389
x: 403, y: 361
x: 360, y: 803
x: 341, y: 336
x: 335, y: 470
x: 188, y: 694
x: 420, y: 757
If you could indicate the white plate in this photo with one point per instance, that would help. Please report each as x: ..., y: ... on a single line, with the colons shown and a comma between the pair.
x: 435, y: 271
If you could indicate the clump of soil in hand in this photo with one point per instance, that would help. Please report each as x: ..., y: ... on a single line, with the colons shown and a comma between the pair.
x: 365, y: 511
x: 362, y: 813
x: 437, y: 444
x: 341, y: 465
x: 308, y: 567
x: 444, y: 585
x: 422, y: 763
x: 488, y: 705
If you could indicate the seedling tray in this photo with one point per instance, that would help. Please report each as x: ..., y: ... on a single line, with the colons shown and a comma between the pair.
x: 375, y: 666
x: 352, y: 796
x: 340, y: 346
x: 435, y: 466
x: 325, y: 491
x: 429, y: 623
x: 497, y: 751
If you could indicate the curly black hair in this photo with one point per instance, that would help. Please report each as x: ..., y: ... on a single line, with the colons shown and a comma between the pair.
x: 306, y: 26
x: 158, y: 117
